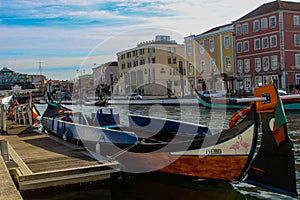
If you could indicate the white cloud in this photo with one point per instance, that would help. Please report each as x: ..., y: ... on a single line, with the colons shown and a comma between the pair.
x: 68, y: 45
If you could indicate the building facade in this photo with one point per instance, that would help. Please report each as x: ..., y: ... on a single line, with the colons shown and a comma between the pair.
x: 152, y: 68
x: 210, y: 59
x: 37, y: 80
x: 106, y: 75
x: 9, y: 79
x: 267, y: 45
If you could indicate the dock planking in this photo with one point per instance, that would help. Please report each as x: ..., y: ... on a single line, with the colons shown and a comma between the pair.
x: 7, y: 186
x: 45, y: 162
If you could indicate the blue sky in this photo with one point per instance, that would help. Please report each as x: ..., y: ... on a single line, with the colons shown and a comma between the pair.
x: 67, y: 35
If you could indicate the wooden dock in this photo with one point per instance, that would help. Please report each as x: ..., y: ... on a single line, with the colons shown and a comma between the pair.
x: 7, y: 186
x: 38, y: 161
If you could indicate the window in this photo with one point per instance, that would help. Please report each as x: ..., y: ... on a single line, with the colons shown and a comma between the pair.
x: 228, y: 63
x: 258, y: 80
x: 274, y: 62
x: 272, y: 22
x: 129, y: 65
x: 203, y: 66
x: 211, y: 45
x: 245, y: 28
x: 297, y: 79
x: 212, y: 65
x: 190, y: 69
x: 123, y: 65
x: 171, y: 49
x: 257, y: 64
x: 275, y: 79
x: 264, y: 23
x: 247, y: 84
x: 142, y: 51
x: 240, y: 66
x: 142, y: 61
x: 190, y: 49
x: 266, y: 65
x: 202, y: 48
x: 247, y: 65
x: 256, y: 44
x: 153, y: 60
x: 246, y: 46
x: 238, y: 30
x: 174, y: 60
x: 265, y: 42
x: 297, y: 61
x: 273, y: 41
x: 135, y: 63
x: 296, y: 20
x: 151, y: 49
x: 297, y: 40
x: 227, y: 42
x: 134, y: 53
x: 256, y: 26
x: 169, y: 60
x: 239, y: 47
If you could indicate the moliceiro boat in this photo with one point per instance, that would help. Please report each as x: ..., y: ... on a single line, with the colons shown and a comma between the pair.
x: 182, y: 148
x: 290, y: 102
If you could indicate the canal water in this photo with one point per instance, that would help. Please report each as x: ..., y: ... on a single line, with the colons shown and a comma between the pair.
x: 161, y: 186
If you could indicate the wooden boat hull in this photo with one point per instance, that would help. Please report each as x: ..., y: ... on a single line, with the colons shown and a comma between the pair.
x: 221, y: 161
x: 292, y: 106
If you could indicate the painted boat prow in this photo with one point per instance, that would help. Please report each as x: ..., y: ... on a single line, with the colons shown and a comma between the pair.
x: 273, y: 167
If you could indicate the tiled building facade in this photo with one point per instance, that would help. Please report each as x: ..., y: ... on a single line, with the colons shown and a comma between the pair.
x: 267, y: 44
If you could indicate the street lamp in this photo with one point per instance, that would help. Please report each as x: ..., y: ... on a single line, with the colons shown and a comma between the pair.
x: 112, y: 81
x: 181, y: 77
x: 169, y: 88
x: 79, y: 72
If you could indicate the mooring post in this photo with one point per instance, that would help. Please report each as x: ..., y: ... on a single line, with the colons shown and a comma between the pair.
x: 23, y: 110
x: 1, y: 118
x: 3, y: 108
x: 15, y: 114
x: 29, y: 111
x: 4, y: 150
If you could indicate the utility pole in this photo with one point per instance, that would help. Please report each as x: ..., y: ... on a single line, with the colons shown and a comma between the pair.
x: 41, y: 78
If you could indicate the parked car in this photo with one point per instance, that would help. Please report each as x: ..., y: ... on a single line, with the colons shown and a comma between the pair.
x: 282, y: 92
x: 134, y: 96
x: 210, y: 93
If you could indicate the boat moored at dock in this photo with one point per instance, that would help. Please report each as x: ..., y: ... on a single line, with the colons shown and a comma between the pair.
x: 183, y: 148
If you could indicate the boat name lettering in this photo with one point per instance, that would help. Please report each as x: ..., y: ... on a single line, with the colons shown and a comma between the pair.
x: 213, y: 151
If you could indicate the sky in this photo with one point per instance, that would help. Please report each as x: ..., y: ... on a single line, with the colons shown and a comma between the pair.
x: 69, y: 37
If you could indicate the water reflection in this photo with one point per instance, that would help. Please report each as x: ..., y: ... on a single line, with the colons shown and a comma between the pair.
x: 157, y: 186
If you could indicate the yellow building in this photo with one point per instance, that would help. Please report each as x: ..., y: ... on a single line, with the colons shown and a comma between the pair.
x: 210, y: 59
x: 151, y: 68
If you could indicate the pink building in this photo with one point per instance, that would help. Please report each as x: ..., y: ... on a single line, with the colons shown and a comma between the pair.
x: 267, y: 45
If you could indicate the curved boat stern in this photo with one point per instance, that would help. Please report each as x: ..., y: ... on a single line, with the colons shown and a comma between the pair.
x: 273, y: 167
